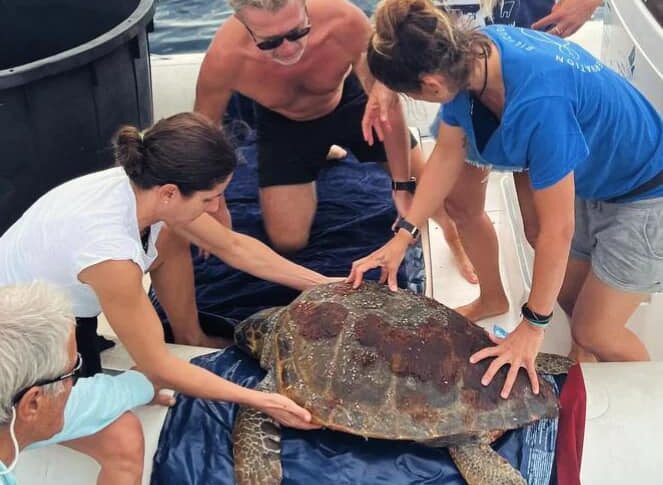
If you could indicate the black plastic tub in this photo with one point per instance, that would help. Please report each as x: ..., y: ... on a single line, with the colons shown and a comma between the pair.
x: 71, y: 72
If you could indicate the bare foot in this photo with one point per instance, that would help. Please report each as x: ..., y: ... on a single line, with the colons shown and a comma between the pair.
x: 463, y: 262
x: 478, y: 310
x: 579, y: 354
x: 336, y: 152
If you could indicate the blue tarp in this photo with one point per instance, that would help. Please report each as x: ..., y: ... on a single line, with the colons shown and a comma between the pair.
x: 195, y: 446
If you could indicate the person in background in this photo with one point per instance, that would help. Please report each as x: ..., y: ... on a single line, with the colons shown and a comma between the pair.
x: 522, y: 100
x: 313, y: 55
x: 41, y: 402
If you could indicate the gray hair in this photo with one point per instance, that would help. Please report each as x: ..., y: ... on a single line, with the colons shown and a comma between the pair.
x: 36, y: 322
x: 269, y: 5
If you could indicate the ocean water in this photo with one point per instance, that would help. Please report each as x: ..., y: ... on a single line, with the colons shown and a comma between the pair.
x: 189, y: 25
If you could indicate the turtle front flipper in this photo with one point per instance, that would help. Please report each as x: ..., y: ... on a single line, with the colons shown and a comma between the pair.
x: 481, y: 465
x: 257, y: 445
x: 553, y: 364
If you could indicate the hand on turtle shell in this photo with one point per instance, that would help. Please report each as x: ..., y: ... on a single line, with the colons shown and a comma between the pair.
x: 518, y: 349
x: 388, y: 257
x: 285, y: 411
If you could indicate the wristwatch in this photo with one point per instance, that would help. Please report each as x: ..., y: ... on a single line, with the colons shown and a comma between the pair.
x: 408, y: 186
x: 411, y: 229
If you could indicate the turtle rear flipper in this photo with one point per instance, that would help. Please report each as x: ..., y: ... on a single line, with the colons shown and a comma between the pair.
x: 481, y: 465
x: 553, y: 364
x: 257, y: 445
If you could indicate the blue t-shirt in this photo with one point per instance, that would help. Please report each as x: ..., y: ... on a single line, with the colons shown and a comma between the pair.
x: 564, y: 111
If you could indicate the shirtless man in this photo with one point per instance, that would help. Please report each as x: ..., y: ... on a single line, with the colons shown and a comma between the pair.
x: 303, y: 63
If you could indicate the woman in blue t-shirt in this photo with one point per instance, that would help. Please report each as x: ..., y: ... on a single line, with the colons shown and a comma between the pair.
x: 562, y: 19
x: 591, y: 144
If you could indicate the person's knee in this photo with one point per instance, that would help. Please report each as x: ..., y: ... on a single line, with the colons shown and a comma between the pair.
x: 585, y: 337
x: 288, y: 243
x: 567, y: 303
x: 462, y: 215
x: 122, y: 445
x: 531, y: 230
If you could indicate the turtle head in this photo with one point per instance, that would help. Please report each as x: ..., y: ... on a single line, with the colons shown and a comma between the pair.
x: 252, y: 333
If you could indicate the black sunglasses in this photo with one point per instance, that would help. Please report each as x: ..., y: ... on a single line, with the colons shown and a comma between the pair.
x: 274, y: 42
x: 73, y: 374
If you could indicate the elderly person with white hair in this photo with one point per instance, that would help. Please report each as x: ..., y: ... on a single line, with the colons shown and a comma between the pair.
x: 39, y: 404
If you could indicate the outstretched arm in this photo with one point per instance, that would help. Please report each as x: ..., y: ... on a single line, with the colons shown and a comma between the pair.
x: 555, y: 211
x: 248, y: 254
x: 118, y: 286
x: 214, y: 86
x: 437, y: 181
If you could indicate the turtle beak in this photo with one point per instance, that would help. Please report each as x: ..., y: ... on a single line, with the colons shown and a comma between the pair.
x: 247, y: 340
x: 241, y: 338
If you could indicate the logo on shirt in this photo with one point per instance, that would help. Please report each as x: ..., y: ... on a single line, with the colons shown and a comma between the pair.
x: 566, y: 52
x: 566, y: 49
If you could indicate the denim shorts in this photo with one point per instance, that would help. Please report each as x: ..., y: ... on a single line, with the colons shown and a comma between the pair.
x: 623, y: 242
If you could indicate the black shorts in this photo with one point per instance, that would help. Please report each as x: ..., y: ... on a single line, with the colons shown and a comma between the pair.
x: 90, y: 345
x: 293, y: 152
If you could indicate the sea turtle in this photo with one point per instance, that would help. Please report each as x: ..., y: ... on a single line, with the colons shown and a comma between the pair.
x: 382, y: 364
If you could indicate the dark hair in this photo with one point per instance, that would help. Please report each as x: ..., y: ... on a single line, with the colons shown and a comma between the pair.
x: 414, y: 37
x: 187, y: 150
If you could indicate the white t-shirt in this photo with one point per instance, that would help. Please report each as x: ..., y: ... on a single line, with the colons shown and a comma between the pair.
x: 78, y: 224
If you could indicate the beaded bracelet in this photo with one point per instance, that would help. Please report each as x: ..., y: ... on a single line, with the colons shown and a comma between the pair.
x: 536, y: 319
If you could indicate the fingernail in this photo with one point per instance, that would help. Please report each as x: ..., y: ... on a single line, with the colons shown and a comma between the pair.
x: 484, y: 382
x: 504, y: 396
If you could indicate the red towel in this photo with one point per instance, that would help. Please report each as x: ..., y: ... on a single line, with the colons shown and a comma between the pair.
x: 571, y: 432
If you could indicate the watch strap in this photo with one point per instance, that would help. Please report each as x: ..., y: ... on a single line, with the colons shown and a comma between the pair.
x: 408, y: 186
x: 411, y: 229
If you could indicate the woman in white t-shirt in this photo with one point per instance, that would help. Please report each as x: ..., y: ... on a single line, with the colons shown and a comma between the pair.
x: 97, y: 235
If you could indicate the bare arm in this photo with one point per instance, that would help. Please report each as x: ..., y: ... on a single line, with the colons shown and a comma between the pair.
x: 437, y: 181
x: 213, y: 92
x: 383, y: 105
x: 555, y: 210
x: 248, y: 254
x: 214, y: 86
x: 118, y: 286
x: 440, y: 174
x: 134, y: 320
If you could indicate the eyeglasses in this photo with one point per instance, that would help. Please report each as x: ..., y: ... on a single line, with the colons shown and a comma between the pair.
x: 73, y: 374
x: 293, y: 35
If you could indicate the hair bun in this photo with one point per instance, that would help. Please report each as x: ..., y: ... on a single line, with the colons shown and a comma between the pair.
x: 128, y: 144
